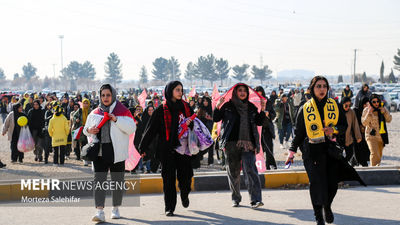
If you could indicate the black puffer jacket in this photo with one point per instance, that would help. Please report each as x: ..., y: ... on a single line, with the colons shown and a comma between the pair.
x: 231, y: 123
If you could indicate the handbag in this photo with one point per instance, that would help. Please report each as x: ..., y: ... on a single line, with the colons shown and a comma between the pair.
x: 91, y: 150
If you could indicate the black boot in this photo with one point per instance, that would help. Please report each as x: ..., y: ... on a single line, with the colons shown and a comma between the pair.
x: 328, y: 214
x: 185, y: 200
x: 2, y: 165
x: 318, y: 214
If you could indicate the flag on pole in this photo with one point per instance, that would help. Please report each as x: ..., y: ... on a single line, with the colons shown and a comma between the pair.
x: 76, y: 134
x: 192, y: 92
x: 214, y: 96
x: 142, y: 99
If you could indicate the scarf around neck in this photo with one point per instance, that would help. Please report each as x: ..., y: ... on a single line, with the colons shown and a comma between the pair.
x: 242, y: 107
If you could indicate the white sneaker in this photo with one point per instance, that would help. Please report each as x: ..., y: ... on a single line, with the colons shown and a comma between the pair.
x: 282, y: 147
x: 99, y: 217
x: 286, y: 144
x: 115, y: 213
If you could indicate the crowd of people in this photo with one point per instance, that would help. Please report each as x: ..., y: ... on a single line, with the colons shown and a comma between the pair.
x: 333, y: 136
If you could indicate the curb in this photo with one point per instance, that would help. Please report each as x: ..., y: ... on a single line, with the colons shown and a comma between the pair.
x: 216, y: 182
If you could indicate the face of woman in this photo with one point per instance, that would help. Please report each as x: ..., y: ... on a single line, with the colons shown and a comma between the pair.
x: 106, y: 97
x: 150, y: 111
x: 346, y: 106
x: 259, y: 92
x: 76, y: 107
x: 320, y: 89
x: 35, y: 105
x: 138, y: 110
x: 241, y: 93
x: 85, y: 104
x: 375, y: 103
x: 20, y: 109
x: 205, y: 103
x: 177, y: 93
x: 365, y: 88
x: 191, y: 103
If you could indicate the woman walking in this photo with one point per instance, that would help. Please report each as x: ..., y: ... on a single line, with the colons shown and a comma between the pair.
x: 353, y: 134
x: 240, y: 138
x: 13, y: 128
x: 113, y: 138
x: 164, y: 123
x: 58, y: 131
x: 320, y: 125
x: 36, y: 125
x: 374, y: 118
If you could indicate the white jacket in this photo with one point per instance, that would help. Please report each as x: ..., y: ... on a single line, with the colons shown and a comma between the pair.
x: 119, y: 132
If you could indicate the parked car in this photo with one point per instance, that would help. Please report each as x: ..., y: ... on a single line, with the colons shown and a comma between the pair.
x: 395, y: 97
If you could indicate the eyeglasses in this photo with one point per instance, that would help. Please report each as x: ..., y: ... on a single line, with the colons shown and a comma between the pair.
x: 346, y: 105
x: 373, y: 102
x: 108, y: 95
x: 319, y: 86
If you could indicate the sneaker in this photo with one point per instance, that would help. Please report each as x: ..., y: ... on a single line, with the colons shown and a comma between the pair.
x: 169, y: 213
x: 235, y: 204
x: 256, y: 205
x: 99, y: 217
x: 115, y: 213
x: 86, y: 163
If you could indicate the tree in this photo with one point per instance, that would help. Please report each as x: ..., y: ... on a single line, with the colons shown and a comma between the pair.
x: 29, y: 71
x: 46, y: 82
x: 397, y: 60
x: 206, y: 68
x: 87, y: 71
x: 113, y: 69
x: 240, y: 72
x: 392, y: 78
x: 173, y: 69
x: 261, y: 73
x: 16, y: 76
x: 190, y: 73
x: 364, y: 77
x: 143, y: 75
x: 340, y: 79
x: 2, y: 75
x: 381, y: 75
x: 222, y: 69
x: 160, y: 71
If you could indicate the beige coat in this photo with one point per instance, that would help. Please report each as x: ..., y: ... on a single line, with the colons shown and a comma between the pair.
x: 9, y: 125
x: 352, y: 124
x: 371, y: 121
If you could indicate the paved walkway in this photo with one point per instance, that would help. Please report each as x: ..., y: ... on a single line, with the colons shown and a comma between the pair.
x: 370, y: 205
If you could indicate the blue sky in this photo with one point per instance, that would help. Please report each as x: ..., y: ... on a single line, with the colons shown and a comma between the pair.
x: 314, y: 35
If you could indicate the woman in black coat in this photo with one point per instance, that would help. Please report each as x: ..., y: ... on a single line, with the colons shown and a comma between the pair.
x: 36, y: 125
x: 268, y: 131
x: 322, y: 158
x: 240, y: 139
x: 164, y: 123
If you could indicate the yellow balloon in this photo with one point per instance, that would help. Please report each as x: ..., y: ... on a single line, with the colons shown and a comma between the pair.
x: 22, y: 121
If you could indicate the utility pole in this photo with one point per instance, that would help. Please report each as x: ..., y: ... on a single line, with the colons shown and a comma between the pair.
x: 354, y: 73
x: 61, y: 39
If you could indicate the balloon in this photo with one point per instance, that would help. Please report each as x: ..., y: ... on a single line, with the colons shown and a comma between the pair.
x: 22, y: 121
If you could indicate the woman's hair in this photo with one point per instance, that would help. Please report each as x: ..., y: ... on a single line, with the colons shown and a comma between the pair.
x: 346, y: 99
x: 365, y: 85
x: 260, y: 89
x: 36, y: 101
x: 314, y: 82
x: 104, y: 87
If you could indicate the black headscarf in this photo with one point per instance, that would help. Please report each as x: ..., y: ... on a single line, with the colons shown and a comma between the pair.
x: 17, y: 114
x: 175, y: 109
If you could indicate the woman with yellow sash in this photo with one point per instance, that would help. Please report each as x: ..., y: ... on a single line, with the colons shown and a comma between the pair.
x: 320, y: 128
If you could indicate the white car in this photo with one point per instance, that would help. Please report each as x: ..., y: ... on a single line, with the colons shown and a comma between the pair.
x: 395, y: 97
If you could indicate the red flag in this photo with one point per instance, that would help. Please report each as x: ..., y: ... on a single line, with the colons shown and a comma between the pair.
x: 142, y: 99
x: 214, y: 96
x: 76, y: 134
x: 254, y: 98
x: 192, y: 92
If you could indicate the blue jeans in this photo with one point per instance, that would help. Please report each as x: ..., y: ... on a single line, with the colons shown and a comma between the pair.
x: 285, y: 132
x: 3, y: 117
x: 142, y: 165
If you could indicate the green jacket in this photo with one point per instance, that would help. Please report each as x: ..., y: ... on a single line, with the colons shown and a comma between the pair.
x: 278, y: 106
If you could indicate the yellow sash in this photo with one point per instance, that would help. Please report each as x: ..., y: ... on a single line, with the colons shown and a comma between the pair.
x: 313, y: 119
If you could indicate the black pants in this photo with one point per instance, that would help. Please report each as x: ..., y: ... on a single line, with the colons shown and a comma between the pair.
x: 47, y: 146
x: 102, y: 165
x: 211, y: 154
x: 15, y: 154
x: 59, y: 150
x: 349, y: 152
x: 174, y: 165
x: 268, y: 147
x: 322, y: 173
